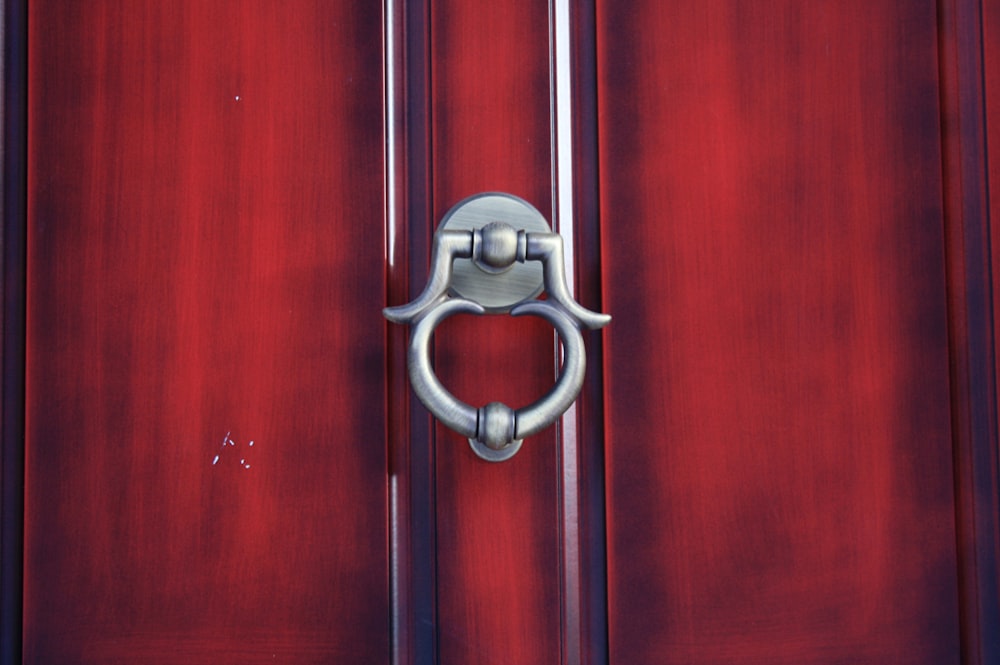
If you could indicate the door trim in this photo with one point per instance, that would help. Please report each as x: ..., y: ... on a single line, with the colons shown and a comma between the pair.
x: 14, y: 31
x: 972, y: 328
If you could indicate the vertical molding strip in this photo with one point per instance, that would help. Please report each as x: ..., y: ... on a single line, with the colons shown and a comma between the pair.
x: 408, y: 233
x: 15, y: 125
x: 395, y: 282
x: 967, y: 240
x: 561, y: 105
x: 590, y: 427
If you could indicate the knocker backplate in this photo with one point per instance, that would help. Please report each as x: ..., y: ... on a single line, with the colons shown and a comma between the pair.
x: 497, y: 292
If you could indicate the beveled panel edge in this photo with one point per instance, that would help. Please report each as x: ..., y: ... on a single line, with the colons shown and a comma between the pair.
x: 410, y: 433
x: 971, y: 343
x: 14, y: 64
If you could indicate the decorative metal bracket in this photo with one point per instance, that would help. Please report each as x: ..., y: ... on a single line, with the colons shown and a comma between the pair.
x: 481, y: 264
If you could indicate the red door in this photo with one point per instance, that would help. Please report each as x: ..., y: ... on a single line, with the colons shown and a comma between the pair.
x: 785, y: 451
x: 785, y: 214
x: 205, y: 398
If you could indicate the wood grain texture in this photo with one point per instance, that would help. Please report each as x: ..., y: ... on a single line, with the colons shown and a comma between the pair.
x: 780, y: 484
x: 963, y: 59
x: 411, y: 428
x: 205, y: 261
x: 991, y: 67
x: 497, y: 524
x: 15, y: 122
x: 990, y: 631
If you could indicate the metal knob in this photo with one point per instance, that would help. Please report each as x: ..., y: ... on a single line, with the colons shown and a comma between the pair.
x: 481, y: 263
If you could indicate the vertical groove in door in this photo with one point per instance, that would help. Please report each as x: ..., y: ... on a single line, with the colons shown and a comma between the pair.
x: 408, y: 237
x: 561, y: 114
x: 13, y: 66
x: 971, y: 343
x: 585, y: 241
x: 991, y: 85
x: 574, y: 214
x: 396, y: 398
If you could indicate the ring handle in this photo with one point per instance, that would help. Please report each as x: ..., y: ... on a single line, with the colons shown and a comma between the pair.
x: 495, y: 430
x: 496, y: 425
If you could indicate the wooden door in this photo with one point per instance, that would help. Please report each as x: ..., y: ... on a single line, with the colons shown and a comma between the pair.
x: 798, y: 385
x: 222, y: 459
x: 785, y: 451
x: 205, y: 396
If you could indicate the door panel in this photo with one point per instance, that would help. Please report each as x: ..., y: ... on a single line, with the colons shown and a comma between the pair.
x: 769, y: 199
x: 205, y: 261
x: 780, y: 484
x: 497, y: 524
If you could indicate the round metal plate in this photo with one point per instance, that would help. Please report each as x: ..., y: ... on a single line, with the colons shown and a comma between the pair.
x: 490, y: 455
x: 496, y: 292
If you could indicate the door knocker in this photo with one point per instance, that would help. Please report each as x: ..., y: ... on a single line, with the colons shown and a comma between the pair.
x: 494, y: 253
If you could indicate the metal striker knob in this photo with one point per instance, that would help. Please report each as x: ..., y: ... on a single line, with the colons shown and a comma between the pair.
x: 496, y: 425
x: 482, y: 265
x: 497, y: 247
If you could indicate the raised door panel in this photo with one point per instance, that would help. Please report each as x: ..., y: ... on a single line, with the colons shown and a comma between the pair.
x: 206, y: 420
x: 779, y: 449
x: 496, y: 525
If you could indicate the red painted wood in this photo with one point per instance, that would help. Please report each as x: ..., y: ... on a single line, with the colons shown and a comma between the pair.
x: 205, y: 260
x: 780, y: 484
x: 991, y: 67
x: 497, y: 524
x: 778, y: 438
x: 971, y: 324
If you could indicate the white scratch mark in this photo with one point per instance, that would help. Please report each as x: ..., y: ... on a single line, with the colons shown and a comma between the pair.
x: 228, y: 441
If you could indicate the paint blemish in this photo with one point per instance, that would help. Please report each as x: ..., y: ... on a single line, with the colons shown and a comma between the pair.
x: 233, y: 450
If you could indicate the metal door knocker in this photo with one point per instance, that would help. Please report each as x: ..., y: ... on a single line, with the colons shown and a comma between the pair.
x: 494, y: 253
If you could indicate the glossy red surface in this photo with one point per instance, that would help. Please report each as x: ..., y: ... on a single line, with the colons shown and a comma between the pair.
x: 991, y: 67
x: 779, y: 454
x: 964, y: 66
x: 773, y: 203
x: 497, y: 524
x: 205, y: 269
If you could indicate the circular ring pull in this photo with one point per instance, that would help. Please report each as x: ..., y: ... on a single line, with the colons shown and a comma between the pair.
x: 495, y: 431
x: 482, y: 264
